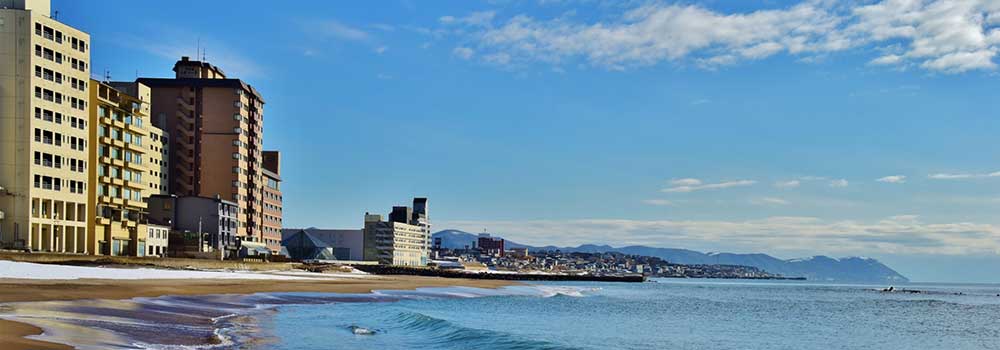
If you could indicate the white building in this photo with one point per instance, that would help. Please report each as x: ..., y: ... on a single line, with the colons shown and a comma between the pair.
x: 403, y: 240
x: 157, y: 240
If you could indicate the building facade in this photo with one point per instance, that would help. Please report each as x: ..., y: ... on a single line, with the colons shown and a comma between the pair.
x: 157, y: 240
x: 44, y: 132
x: 271, y: 210
x: 320, y: 244
x: 213, y: 219
x: 121, y: 163
x: 490, y: 245
x: 216, y: 129
x: 405, y: 239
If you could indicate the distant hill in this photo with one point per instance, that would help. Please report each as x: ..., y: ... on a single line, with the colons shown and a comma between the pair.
x: 817, y: 268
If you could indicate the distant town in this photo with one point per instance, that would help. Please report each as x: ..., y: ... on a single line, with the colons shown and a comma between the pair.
x: 489, y: 254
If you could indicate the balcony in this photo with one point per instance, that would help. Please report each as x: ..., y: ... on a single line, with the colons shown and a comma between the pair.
x: 135, y: 185
x: 135, y: 203
x: 134, y: 147
x: 184, y: 102
x: 135, y: 166
x: 136, y: 129
x: 184, y: 131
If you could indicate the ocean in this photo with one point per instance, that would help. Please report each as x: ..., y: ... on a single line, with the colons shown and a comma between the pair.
x: 664, y: 314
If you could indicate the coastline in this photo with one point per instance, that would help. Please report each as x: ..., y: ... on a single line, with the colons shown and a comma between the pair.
x: 13, y: 332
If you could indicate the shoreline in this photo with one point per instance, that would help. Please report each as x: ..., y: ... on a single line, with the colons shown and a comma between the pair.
x: 13, y: 332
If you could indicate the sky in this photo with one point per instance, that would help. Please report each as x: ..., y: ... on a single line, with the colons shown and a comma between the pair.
x: 792, y: 128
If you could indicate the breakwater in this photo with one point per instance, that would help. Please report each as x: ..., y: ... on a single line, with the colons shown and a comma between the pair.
x: 419, y: 271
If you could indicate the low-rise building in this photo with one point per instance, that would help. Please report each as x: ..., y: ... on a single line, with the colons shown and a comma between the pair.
x: 214, y: 220
x: 318, y: 244
x: 493, y: 246
x: 157, y: 240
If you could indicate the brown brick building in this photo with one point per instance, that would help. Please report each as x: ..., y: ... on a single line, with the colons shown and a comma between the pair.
x: 216, y: 127
x: 271, y: 215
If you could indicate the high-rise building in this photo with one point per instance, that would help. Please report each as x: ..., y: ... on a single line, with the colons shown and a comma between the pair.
x: 123, y: 168
x: 403, y: 240
x: 44, y: 132
x: 271, y: 213
x: 216, y: 132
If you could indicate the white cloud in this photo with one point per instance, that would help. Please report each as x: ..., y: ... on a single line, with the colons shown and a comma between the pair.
x: 659, y: 202
x: 701, y: 101
x: 337, y: 30
x: 463, y: 52
x: 904, y: 234
x: 937, y: 35
x: 381, y: 49
x: 700, y: 186
x: 481, y: 18
x: 961, y: 176
x: 787, y: 184
x: 893, y: 179
x: 769, y: 201
x: 383, y: 76
x: 840, y: 183
x: 685, y: 182
x: 887, y: 60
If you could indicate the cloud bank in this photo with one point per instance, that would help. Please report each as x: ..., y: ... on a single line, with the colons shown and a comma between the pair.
x: 903, y: 234
x: 940, y: 36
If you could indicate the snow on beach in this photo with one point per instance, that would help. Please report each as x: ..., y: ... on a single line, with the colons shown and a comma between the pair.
x: 25, y: 270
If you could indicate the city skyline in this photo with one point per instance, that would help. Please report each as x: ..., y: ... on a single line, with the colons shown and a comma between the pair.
x: 868, y: 138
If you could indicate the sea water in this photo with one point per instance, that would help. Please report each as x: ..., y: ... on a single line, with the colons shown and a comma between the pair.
x: 664, y: 314
x: 669, y: 314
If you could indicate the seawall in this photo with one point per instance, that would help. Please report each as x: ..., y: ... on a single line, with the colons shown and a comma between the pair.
x: 418, y: 271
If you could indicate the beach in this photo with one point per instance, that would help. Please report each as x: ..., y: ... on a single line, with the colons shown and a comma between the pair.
x: 122, y: 284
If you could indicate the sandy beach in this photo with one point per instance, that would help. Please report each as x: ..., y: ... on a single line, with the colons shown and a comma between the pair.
x: 31, y: 290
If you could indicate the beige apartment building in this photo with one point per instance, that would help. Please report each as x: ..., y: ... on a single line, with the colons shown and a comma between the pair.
x: 216, y: 129
x: 44, y: 130
x: 124, y: 160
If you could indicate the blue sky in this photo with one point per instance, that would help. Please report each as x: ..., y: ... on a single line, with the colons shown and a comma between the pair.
x: 789, y: 128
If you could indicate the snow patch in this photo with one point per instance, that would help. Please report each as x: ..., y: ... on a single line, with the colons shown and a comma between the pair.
x: 25, y: 270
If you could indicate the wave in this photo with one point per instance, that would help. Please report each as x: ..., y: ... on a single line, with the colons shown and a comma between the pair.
x: 441, y: 333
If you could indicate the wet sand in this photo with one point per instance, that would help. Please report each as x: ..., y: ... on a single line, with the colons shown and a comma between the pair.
x: 19, y: 290
x: 12, y: 337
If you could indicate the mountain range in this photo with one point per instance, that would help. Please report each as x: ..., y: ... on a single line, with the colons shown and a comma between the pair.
x: 816, y: 268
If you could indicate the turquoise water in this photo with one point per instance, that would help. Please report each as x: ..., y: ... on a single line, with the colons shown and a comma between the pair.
x: 671, y: 314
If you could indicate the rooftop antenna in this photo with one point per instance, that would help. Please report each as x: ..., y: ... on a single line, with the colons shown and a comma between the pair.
x: 55, y: 14
x: 203, y: 53
x: 198, y: 51
x: 107, y: 75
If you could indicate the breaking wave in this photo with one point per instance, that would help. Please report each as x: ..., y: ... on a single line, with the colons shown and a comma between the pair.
x: 439, y: 333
